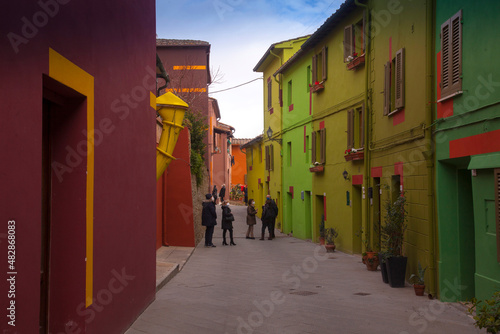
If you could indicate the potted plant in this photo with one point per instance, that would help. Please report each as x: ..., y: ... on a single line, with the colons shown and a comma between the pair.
x: 393, y: 237
x: 382, y: 257
x: 330, y: 235
x: 487, y: 313
x: 322, y: 230
x: 369, y: 257
x: 418, y: 280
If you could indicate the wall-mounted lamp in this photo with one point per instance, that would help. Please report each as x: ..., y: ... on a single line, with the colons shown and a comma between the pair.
x: 345, y: 174
x: 269, y: 133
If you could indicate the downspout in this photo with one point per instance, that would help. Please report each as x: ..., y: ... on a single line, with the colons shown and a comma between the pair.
x: 367, y: 157
x: 429, y: 156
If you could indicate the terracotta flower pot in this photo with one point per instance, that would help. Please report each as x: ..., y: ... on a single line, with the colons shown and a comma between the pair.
x: 330, y: 248
x: 371, y: 261
x: 321, y: 240
x: 419, y: 289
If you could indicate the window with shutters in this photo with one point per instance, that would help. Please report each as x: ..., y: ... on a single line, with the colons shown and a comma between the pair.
x: 319, y: 66
x: 451, y: 56
x: 289, y: 97
x: 356, y: 128
x: 308, y: 78
x: 497, y: 209
x: 354, y: 40
x: 260, y: 153
x: 269, y: 94
x: 318, y: 151
x: 394, y: 83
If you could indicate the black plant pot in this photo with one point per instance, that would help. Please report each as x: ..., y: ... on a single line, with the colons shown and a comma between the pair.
x: 383, y: 269
x: 396, y: 271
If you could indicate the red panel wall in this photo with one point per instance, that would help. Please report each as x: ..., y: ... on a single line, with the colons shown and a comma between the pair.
x: 114, y: 41
x: 178, y: 221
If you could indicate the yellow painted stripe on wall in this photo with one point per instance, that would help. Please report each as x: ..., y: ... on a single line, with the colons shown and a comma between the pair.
x: 66, y: 72
x: 195, y: 67
x: 187, y: 90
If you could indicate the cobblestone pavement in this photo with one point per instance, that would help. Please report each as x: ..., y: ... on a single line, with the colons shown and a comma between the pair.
x: 289, y: 286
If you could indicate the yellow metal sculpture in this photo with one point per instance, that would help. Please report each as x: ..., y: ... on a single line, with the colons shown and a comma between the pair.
x: 171, y: 109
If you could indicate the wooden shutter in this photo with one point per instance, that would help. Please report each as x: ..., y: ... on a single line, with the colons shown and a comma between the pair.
x: 348, y: 41
x: 267, y: 158
x: 314, y: 69
x: 313, y: 151
x: 364, y: 31
x: 362, y: 127
x: 451, y: 55
x: 387, y: 88
x: 399, y: 89
x: 350, y: 128
x: 322, y: 145
x: 269, y: 94
x: 271, y: 157
x: 497, y: 209
x: 324, y: 62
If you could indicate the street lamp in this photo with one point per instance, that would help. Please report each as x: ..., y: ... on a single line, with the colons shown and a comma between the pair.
x: 269, y: 133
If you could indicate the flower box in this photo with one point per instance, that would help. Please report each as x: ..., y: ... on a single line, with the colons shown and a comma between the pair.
x: 317, y: 88
x: 354, y: 156
x: 358, y: 61
x: 316, y: 169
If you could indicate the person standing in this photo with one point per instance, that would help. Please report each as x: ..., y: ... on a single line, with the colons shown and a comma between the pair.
x: 209, y: 219
x: 269, y: 213
x: 251, y: 221
x: 227, y: 223
x: 245, y: 192
x: 222, y: 193
x: 214, y: 193
x: 274, y: 211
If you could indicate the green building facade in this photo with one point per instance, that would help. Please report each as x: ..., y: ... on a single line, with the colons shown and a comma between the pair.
x: 467, y: 137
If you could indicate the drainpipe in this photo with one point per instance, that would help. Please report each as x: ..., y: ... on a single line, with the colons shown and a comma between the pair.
x: 367, y: 157
x: 429, y: 112
x: 171, y: 109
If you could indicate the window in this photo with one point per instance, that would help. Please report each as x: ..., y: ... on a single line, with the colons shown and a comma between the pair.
x: 269, y: 94
x: 451, y: 55
x: 269, y: 157
x: 319, y: 68
x: 308, y: 82
x: 289, y: 151
x: 394, y: 83
x: 289, y: 92
x: 354, y: 40
x: 306, y: 147
x: 318, y: 152
x: 356, y: 128
x: 260, y: 153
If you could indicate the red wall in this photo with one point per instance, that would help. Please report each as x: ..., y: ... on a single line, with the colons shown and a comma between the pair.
x: 114, y: 41
x: 178, y: 223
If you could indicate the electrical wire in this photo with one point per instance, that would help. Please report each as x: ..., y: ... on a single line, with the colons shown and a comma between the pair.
x: 246, y: 83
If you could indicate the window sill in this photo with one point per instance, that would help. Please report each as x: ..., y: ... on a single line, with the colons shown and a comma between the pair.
x: 460, y: 92
x: 395, y: 111
x: 356, y: 62
x: 355, y: 156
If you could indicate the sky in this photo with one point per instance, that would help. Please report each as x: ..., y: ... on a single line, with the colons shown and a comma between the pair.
x: 240, y: 32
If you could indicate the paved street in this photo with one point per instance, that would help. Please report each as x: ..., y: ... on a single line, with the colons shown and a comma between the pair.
x: 289, y: 286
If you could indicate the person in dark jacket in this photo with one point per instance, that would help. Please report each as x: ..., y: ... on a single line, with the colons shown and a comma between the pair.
x: 214, y: 193
x: 269, y: 213
x: 227, y: 223
x: 222, y: 193
x: 209, y: 219
x: 251, y: 221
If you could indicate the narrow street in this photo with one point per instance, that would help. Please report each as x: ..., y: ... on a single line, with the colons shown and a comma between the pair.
x: 289, y: 286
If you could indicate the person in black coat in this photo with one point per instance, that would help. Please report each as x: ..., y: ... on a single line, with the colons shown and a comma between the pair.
x: 227, y: 223
x: 269, y: 214
x: 209, y: 219
x: 214, y: 193
x: 222, y: 193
